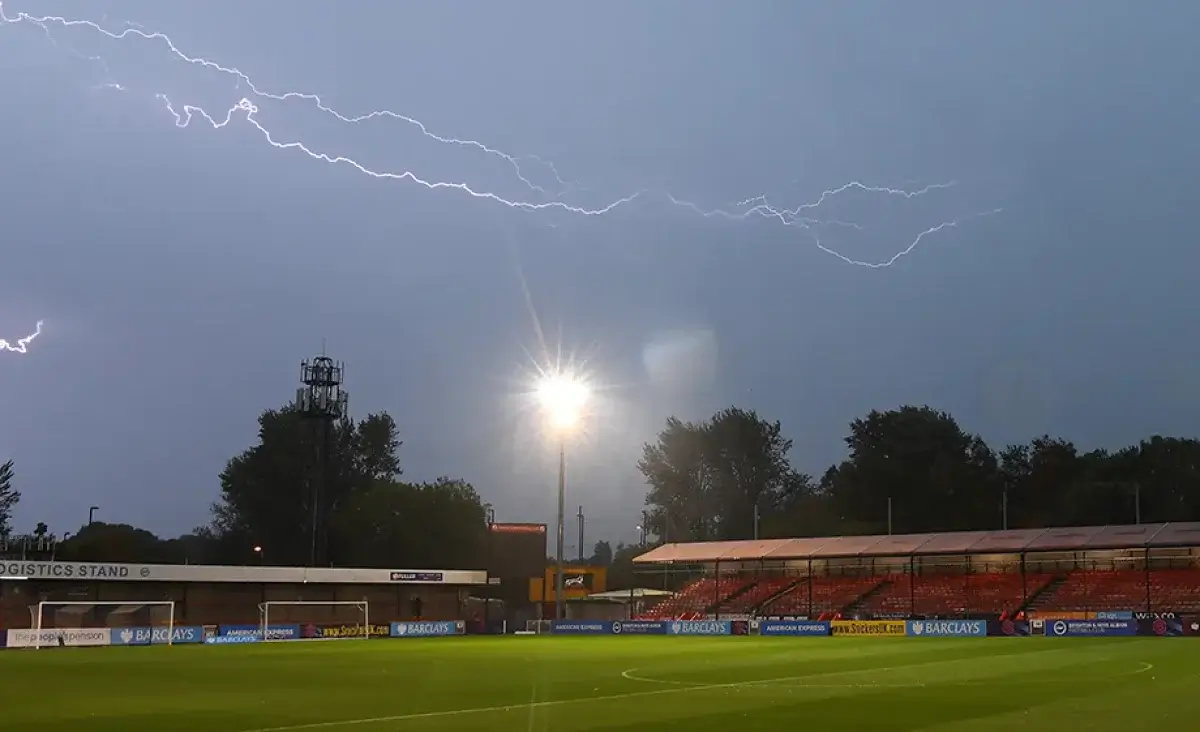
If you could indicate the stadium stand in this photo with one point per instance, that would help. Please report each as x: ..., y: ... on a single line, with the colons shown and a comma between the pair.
x: 972, y: 573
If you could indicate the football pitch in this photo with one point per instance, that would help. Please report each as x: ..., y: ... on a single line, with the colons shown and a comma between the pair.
x: 569, y: 684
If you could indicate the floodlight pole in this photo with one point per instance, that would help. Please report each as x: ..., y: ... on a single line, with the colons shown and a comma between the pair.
x: 562, y: 484
x: 321, y: 400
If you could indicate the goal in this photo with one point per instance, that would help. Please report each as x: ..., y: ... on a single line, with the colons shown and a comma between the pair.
x: 317, y: 620
x: 538, y: 627
x: 98, y: 623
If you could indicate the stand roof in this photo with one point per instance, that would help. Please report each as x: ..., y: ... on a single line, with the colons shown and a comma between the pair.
x: 1082, y: 538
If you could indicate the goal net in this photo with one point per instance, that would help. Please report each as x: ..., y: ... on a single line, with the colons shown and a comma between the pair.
x: 315, y: 620
x: 539, y: 627
x: 91, y: 623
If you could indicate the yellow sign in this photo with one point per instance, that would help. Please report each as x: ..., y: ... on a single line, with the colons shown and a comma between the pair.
x: 578, y: 582
x: 874, y: 628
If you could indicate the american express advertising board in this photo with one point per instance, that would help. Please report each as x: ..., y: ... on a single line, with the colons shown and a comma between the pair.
x: 811, y: 628
x: 274, y: 632
x: 582, y: 627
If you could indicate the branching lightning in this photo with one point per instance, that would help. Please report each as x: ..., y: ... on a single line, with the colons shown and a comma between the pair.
x: 21, y: 346
x: 245, y: 110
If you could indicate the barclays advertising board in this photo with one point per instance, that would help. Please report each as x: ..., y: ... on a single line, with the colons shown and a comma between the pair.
x: 947, y: 628
x: 700, y: 627
x: 1089, y: 628
x: 156, y: 636
x: 811, y: 628
x: 223, y: 640
x: 424, y: 629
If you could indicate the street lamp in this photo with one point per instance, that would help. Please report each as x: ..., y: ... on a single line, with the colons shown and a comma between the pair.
x: 262, y: 557
x: 562, y: 396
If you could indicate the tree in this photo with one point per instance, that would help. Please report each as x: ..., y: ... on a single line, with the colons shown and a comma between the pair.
x: 267, y: 491
x: 41, y: 530
x: 934, y: 475
x: 440, y: 524
x: 104, y: 542
x: 9, y: 498
x: 707, y: 480
x: 602, y: 554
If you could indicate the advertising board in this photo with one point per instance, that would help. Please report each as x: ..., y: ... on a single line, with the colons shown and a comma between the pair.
x: 157, y: 636
x: 1010, y: 628
x: 871, y: 628
x: 223, y: 640
x: 344, y: 630
x: 428, y: 629
x: 1089, y: 628
x: 1164, y: 627
x: 274, y: 632
x: 582, y: 627
x: 947, y: 628
x: 809, y: 628
x: 73, y: 637
x: 700, y: 627
x: 639, y: 627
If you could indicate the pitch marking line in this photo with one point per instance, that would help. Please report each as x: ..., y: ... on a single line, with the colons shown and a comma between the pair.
x: 539, y: 705
x: 628, y: 675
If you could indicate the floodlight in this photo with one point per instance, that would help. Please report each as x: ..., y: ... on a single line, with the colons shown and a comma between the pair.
x: 563, y: 397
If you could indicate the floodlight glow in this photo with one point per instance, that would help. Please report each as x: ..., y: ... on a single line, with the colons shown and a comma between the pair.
x: 563, y: 397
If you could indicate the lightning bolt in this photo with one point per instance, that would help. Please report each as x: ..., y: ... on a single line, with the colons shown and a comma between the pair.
x: 246, y: 111
x: 21, y: 346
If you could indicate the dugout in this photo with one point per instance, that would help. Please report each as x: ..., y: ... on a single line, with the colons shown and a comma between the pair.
x: 214, y: 595
x: 935, y: 574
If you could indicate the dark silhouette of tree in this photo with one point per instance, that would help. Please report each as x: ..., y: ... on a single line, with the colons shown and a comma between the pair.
x: 267, y: 491
x: 440, y: 525
x: 9, y: 498
x: 939, y: 477
x: 104, y: 542
x: 602, y: 554
x: 706, y: 480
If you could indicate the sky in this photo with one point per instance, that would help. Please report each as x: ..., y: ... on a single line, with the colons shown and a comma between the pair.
x: 182, y: 271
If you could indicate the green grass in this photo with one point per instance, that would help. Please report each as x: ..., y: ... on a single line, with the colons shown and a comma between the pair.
x: 567, y: 684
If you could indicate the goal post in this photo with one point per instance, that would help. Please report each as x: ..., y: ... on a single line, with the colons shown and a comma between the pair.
x: 91, y: 622
x: 356, y: 614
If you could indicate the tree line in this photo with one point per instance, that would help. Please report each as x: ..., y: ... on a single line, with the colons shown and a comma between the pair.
x: 910, y: 469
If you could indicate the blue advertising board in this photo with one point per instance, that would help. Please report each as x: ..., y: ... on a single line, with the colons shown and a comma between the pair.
x: 639, y: 627
x: 582, y: 627
x: 794, y: 627
x: 428, y: 629
x: 221, y: 640
x: 274, y: 632
x: 1089, y: 628
x: 699, y: 627
x: 946, y: 628
x: 156, y: 636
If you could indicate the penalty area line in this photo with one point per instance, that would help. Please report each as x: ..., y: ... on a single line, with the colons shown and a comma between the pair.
x: 546, y: 704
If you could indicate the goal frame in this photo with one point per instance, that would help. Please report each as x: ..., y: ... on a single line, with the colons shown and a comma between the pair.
x: 38, y: 626
x: 264, y: 614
